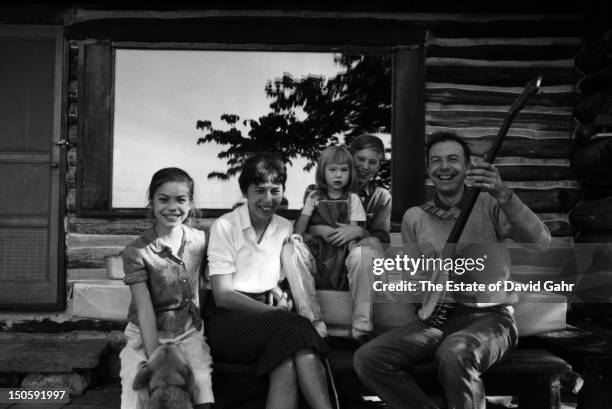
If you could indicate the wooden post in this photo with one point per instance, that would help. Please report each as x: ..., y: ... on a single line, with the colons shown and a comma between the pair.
x: 95, y: 116
x: 408, y: 129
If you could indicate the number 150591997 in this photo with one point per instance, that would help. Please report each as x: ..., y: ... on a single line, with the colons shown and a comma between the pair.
x: 13, y: 395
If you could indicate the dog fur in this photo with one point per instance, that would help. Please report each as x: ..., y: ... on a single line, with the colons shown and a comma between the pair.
x: 169, y: 378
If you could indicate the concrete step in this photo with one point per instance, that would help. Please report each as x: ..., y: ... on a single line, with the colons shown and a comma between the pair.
x: 101, y: 299
x: 52, y: 353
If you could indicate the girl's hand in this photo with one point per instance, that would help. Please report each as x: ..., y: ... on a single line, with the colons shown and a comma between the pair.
x: 485, y: 176
x: 320, y: 230
x: 280, y: 299
x: 344, y: 233
x: 292, y: 237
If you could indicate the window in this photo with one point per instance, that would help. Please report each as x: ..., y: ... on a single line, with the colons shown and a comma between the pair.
x: 162, y: 96
x: 98, y: 103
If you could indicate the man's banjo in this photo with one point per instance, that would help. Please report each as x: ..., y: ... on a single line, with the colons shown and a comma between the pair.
x: 437, y: 304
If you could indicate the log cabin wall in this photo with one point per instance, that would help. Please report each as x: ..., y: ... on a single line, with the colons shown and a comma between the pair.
x: 472, y: 77
x: 475, y: 66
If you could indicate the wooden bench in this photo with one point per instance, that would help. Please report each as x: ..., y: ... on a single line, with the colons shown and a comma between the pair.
x: 532, y: 375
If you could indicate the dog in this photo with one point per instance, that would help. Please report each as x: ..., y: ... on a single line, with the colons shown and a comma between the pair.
x: 169, y: 378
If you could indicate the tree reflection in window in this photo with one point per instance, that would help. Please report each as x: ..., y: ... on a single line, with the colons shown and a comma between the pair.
x: 300, y: 110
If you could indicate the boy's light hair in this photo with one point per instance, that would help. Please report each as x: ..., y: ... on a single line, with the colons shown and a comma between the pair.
x: 335, y: 155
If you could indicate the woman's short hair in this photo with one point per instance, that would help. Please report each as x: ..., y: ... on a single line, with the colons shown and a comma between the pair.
x: 443, y: 136
x: 262, y: 167
x: 335, y: 155
x: 367, y: 141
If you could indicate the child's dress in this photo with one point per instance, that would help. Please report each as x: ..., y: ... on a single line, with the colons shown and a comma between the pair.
x: 173, y: 283
x: 323, y: 210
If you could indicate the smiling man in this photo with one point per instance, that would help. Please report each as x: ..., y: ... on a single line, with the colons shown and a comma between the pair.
x: 480, y: 329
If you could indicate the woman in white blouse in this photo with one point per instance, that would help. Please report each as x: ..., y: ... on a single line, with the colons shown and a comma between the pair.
x: 250, y: 321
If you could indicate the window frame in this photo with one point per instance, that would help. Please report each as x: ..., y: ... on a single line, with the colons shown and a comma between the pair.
x: 403, y: 41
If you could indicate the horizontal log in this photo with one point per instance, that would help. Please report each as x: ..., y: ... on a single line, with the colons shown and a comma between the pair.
x: 121, y: 226
x: 476, y: 132
x: 63, y: 352
x: 241, y: 30
x: 601, y: 135
x: 556, y: 197
x: 492, y: 41
x: 546, y: 89
x: 536, y: 185
x: 505, y: 52
x: 520, y: 146
x: 554, y: 200
x: 505, y: 63
x: 456, y: 96
x: 544, y: 122
x: 470, y: 12
x: 594, y: 216
x: 525, y: 169
x: 77, y: 274
x: 554, y: 216
x: 498, y: 76
x: 510, y: 172
x: 534, y: 109
x: 568, y: 26
x: 519, y: 142
x: 517, y: 161
x: 98, y: 240
x: 90, y: 257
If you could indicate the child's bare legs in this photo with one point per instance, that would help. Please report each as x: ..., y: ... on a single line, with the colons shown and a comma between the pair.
x: 312, y: 379
x: 283, y: 392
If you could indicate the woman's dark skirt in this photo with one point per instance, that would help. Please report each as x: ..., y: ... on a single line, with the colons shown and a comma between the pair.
x: 261, y: 338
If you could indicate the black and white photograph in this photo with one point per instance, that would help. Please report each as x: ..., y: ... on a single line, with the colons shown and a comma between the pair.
x: 293, y: 205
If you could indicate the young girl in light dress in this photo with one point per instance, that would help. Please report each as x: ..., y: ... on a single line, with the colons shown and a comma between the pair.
x: 162, y: 268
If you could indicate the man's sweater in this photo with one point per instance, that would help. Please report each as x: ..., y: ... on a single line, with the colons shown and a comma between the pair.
x: 425, y: 230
